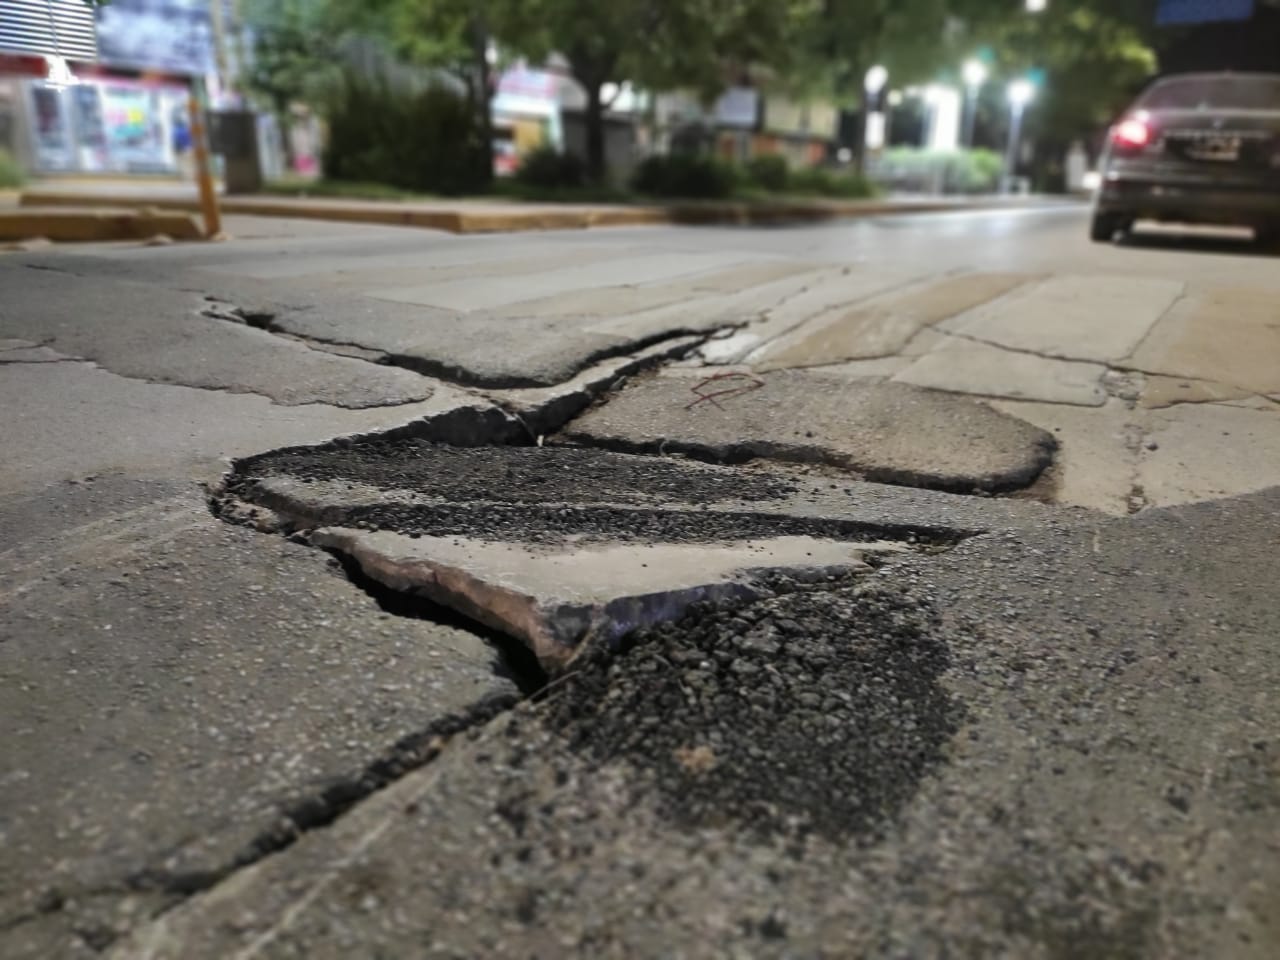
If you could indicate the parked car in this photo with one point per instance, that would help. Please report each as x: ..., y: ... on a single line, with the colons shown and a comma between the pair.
x: 1195, y: 148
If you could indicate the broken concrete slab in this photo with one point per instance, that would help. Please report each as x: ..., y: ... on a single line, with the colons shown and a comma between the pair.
x: 888, y: 433
x: 884, y: 326
x: 556, y: 599
x: 545, y: 409
x: 958, y: 365
x: 1085, y: 747
x: 500, y: 535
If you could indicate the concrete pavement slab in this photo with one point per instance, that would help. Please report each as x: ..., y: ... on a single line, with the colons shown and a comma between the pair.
x: 776, y: 309
x: 1083, y: 763
x: 1208, y: 451
x: 68, y: 424
x: 210, y: 692
x: 1159, y: 392
x: 1096, y: 465
x: 466, y: 296
x: 1098, y: 318
x: 883, y: 327
x: 1191, y: 342
x: 957, y: 365
x: 884, y: 432
x: 160, y: 335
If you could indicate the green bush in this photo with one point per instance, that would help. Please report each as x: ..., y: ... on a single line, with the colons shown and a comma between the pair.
x: 548, y: 169
x: 687, y: 176
x: 769, y: 172
x: 818, y: 182
x: 11, y: 174
x: 928, y: 171
x: 424, y: 140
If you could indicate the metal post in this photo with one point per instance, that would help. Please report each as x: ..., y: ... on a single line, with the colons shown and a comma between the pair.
x: 971, y: 115
x: 1011, y: 154
x: 204, y: 178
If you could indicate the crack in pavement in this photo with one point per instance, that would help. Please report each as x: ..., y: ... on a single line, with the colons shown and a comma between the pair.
x: 1113, y: 366
x: 449, y: 371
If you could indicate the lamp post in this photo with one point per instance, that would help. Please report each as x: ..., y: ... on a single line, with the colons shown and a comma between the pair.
x: 873, y: 128
x: 1020, y: 93
x: 975, y: 75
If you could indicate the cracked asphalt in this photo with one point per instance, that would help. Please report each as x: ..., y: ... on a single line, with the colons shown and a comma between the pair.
x: 1046, y: 728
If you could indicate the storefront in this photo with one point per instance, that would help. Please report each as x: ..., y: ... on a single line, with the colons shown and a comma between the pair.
x: 526, y: 115
x: 106, y: 124
x: 126, y: 113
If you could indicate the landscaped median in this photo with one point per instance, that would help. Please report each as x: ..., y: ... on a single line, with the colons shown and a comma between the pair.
x: 486, y: 216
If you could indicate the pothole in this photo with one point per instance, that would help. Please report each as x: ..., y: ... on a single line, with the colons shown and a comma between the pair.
x: 561, y: 547
x: 715, y: 629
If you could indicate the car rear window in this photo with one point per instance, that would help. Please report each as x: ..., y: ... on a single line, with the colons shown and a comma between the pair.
x: 1215, y: 93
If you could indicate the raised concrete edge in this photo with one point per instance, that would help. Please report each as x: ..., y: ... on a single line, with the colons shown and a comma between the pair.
x: 89, y: 223
x: 480, y: 220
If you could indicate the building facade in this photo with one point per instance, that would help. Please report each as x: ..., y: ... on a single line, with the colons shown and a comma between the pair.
x: 124, y: 108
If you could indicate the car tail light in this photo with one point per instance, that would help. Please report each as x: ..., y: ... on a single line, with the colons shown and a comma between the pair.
x: 1132, y: 133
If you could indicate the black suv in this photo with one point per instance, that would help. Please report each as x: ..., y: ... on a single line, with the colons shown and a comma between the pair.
x: 1195, y: 148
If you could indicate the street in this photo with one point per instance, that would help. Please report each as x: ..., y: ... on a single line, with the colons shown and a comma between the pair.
x: 896, y: 587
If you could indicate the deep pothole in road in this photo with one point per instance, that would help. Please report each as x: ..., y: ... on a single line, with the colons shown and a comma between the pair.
x: 805, y: 699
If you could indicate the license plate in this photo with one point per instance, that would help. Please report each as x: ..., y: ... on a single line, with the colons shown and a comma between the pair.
x: 1220, y: 149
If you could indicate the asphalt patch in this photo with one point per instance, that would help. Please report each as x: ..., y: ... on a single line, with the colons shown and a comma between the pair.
x: 812, y: 711
x: 515, y: 474
x: 525, y: 523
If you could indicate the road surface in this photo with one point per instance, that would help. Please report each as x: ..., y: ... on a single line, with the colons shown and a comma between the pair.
x: 891, y: 588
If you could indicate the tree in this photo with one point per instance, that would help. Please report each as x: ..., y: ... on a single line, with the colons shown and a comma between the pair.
x: 292, y: 53
x: 843, y: 39
x: 659, y: 44
x: 456, y: 36
x: 1094, y: 55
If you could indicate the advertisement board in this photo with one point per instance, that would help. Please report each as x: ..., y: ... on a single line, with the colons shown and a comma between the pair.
x: 171, y: 36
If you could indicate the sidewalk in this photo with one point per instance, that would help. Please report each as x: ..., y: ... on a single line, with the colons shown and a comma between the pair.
x: 497, y: 216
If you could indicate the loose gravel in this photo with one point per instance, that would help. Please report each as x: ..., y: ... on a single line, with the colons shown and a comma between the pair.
x: 533, y: 523
x: 810, y: 711
x: 517, y: 474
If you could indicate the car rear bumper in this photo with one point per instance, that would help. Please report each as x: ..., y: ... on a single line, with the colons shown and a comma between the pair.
x: 1190, y: 202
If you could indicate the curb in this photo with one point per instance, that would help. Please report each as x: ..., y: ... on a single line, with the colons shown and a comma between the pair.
x: 92, y: 223
x: 480, y: 220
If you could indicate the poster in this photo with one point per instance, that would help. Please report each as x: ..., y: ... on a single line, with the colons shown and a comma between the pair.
x: 50, y: 130
x: 91, y: 134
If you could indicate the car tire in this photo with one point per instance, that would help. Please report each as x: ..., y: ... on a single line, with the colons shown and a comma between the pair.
x: 1105, y: 226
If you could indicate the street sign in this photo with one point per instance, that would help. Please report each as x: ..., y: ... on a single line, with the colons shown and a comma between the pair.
x: 1175, y: 12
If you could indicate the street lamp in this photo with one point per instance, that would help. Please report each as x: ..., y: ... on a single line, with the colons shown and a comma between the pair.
x: 975, y: 75
x: 873, y: 133
x: 1020, y: 93
x: 876, y: 78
